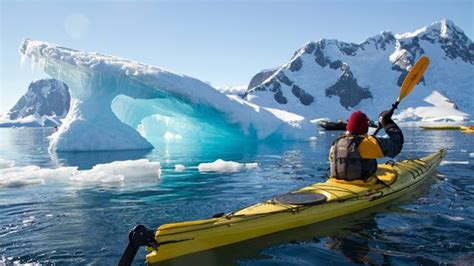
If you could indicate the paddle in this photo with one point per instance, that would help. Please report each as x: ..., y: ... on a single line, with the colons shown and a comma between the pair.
x: 413, y: 77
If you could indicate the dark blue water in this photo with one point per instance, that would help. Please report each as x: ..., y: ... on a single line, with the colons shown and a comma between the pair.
x: 63, y: 222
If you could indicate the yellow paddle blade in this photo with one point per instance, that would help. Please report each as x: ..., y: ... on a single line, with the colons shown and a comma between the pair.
x: 415, y: 74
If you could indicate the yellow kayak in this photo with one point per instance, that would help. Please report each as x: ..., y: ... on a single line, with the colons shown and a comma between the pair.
x: 467, y: 129
x: 312, y: 204
x: 318, y: 202
x: 441, y: 127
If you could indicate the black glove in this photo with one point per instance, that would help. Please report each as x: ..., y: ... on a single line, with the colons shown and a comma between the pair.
x: 385, y: 118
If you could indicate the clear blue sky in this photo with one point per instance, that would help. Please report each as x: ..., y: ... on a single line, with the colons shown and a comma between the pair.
x: 223, y: 42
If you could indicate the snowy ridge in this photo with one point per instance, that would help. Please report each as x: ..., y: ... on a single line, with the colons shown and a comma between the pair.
x: 112, y: 97
x: 330, y: 78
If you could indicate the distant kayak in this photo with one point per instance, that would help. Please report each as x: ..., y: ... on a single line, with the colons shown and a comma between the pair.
x: 441, y: 127
x: 328, y: 125
x: 467, y: 129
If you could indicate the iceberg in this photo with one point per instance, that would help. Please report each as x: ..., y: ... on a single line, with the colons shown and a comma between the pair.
x: 119, y: 104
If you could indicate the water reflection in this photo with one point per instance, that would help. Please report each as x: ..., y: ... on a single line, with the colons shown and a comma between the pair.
x: 86, y: 160
x: 310, y: 243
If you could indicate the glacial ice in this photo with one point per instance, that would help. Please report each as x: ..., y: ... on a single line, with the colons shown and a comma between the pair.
x: 118, y: 104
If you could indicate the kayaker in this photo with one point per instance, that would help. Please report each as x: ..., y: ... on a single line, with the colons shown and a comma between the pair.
x: 353, y: 155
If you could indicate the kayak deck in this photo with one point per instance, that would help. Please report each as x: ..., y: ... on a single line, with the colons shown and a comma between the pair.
x: 342, y: 197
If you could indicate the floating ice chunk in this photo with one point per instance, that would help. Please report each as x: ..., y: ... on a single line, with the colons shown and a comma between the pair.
x: 30, y: 175
x: 28, y: 221
x: 454, y: 162
x: 471, y: 154
x: 6, y: 163
x: 130, y: 168
x: 179, y: 168
x: 114, y: 172
x: 226, y: 166
x: 313, y: 138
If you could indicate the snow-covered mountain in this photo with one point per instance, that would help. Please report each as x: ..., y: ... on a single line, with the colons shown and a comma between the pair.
x: 331, y: 78
x: 44, y: 104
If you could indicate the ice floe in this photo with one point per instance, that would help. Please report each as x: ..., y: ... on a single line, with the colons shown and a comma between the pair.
x: 226, y: 166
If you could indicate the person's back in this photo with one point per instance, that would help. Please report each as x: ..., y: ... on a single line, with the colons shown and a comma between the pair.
x: 353, y: 155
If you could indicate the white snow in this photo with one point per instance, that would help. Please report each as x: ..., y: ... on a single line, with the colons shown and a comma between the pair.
x: 442, y: 110
x: 119, y: 171
x: 226, y: 166
x: 444, y: 30
x: 179, y: 168
x: 411, y: 34
x: 232, y: 90
x: 286, y: 116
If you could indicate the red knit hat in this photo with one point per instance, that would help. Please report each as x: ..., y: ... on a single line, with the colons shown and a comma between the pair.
x: 358, y: 123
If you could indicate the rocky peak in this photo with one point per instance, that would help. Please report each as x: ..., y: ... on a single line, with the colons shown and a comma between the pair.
x: 346, y: 88
x: 381, y: 41
x: 260, y: 77
x: 44, y: 97
x: 450, y: 37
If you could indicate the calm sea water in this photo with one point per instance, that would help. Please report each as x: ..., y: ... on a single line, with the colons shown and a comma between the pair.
x: 61, y: 222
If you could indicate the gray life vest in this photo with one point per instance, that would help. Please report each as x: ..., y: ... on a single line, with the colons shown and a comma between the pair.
x: 346, y: 162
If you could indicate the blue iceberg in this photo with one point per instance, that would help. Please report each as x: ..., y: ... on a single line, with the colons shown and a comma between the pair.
x: 119, y: 104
